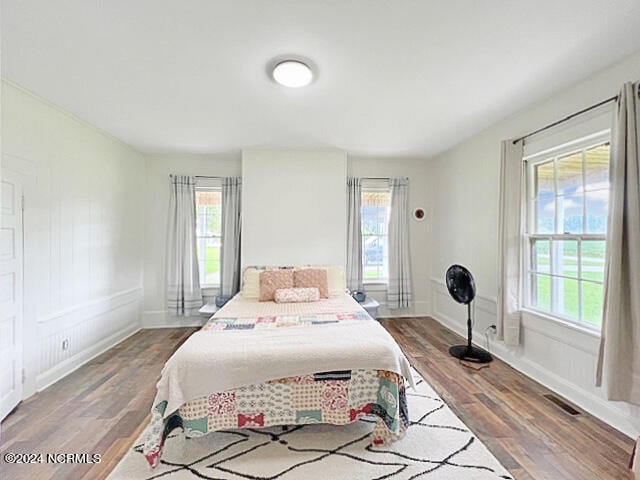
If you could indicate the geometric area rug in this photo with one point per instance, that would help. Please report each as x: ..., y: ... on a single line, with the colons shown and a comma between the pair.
x: 437, y: 446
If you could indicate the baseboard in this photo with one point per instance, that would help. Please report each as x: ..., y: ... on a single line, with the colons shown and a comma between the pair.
x: 64, y: 368
x: 418, y: 309
x: 161, y: 319
x: 596, y: 406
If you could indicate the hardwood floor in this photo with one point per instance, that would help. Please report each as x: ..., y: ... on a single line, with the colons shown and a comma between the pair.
x: 103, y: 406
x: 530, y: 435
x: 100, y: 408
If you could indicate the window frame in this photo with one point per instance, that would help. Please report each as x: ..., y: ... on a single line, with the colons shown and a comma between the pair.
x: 375, y: 186
x: 529, y: 239
x: 207, y: 188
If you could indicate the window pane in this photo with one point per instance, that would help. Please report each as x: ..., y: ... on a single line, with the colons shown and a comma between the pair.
x: 374, y: 216
x: 202, y: 252
x: 372, y: 250
x: 597, y: 167
x: 209, y: 211
x: 374, y: 257
x: 570, y: 214
x: 545, y: 215
x: 371, y: 223
x: 592, y: 299
x: 543, y: 180
x: 541, y: 292
x: 565, y: 258
x: 593, y: 260
x: 565, y: 294
x: 597, y: 211
x: 541, y: 258
x: 208, y: 230
x: 212, y: 261
x: 570, y: 196
x: 383, y: 216
x: 569, y: 171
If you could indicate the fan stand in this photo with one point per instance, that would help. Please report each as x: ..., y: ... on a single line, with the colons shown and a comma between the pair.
x: 468, y: 352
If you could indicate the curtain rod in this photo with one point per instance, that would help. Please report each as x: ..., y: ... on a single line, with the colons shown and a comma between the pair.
x: 197, y: 176
x: 374, y: 178
x: 569, y: 117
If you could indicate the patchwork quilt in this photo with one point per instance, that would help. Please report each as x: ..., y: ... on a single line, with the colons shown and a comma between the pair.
x: 279, y: 321
x: 335, y: 397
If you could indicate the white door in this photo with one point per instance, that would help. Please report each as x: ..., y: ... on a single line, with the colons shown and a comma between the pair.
x: 11, y: 271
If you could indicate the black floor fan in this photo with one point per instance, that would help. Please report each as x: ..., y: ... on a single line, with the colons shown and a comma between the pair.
x: 462, y: 288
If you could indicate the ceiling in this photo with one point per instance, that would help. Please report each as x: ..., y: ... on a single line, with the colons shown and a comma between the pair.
x: 394, y: 77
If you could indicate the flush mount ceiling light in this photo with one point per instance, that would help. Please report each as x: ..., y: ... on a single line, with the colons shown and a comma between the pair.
x: 292, y: 73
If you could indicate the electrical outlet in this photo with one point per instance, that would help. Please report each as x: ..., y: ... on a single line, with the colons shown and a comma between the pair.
x: 65, y: 344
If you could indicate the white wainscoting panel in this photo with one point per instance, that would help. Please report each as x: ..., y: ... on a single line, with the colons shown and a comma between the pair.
x: 72, y: 337
x: 560, y: 357
x: 83, y: 234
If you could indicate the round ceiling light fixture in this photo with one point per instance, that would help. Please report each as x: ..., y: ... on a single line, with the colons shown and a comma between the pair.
x: 292, y: 73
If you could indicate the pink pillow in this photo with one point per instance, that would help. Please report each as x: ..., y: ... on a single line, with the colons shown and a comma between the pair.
x: 312, y: 277
x: 272, y: 280
x: 297, y: 295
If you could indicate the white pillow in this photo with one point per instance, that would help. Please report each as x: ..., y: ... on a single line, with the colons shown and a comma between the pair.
x: 336, y: 280
x: 251, y: 283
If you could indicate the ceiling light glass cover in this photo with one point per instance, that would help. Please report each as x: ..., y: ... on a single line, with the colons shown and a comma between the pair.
x: 292, y: 73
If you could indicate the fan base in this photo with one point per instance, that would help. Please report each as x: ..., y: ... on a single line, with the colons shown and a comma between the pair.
x: 473, y: 354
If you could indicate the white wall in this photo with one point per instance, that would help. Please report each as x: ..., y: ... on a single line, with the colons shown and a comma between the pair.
x: 156, y: 206
x: 466, y: 183
x: 420, y: 175
x: 294, y: 207
x: 83, y: 234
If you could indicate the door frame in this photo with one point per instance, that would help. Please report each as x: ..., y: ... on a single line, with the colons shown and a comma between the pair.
x: 26, y: 171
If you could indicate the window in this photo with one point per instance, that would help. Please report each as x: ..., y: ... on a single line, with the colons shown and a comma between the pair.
x: 568, y: 197
x: 376, y: 203
x: 208, y: 233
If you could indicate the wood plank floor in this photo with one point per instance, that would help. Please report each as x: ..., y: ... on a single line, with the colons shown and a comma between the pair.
x: 531, y: 436
x: 100, y: 408
x: 103, y: 406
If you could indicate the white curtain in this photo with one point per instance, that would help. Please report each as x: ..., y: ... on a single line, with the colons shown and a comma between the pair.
x: 354, y: 234
x: 231, y: 221
x: 510, y: 241
x: 399, y: 293
x: 183, y: 280
x: 619, y: 359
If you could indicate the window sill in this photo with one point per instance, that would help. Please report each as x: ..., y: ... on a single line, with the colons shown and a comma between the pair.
x: 592, y: 332
x: 209, y: 290
x: 375, y: 286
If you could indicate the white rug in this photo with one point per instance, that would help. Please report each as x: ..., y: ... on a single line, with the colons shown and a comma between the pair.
x: 437, y: 446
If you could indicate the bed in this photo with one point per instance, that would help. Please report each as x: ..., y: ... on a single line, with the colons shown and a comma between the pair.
x: 259, y: 364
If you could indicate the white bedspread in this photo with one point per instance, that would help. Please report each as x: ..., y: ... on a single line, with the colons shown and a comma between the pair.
x: 213, y: 360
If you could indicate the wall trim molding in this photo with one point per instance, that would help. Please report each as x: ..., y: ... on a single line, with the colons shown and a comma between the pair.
x: 606, y: 411
x: 69, y: 365
x: 79, y: 313
x: 488, y: 298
